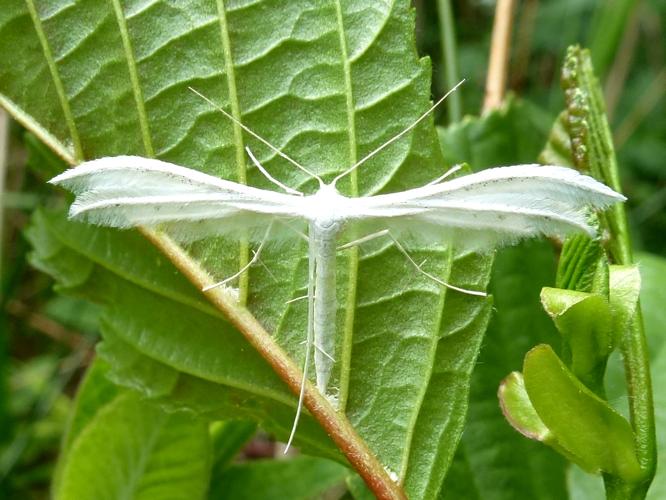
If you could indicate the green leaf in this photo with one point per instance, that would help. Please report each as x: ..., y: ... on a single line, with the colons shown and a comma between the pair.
x: 609, y: 26
x: 521, y: 414
x: 658, y: 365
x: 296, y: 478
x: 585, y: 323
x: 597, y: 436
x: 94, y: 392
x: 326, y: 83
x: 518, y: 409
x: 130, y: 448
x: 512, y: 134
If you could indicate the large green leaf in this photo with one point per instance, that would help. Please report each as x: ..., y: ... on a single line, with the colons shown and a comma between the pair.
x: 326, y: 82
x: 120, y: 446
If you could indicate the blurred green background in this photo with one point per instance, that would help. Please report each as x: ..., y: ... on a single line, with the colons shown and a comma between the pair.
x: 46, y: 339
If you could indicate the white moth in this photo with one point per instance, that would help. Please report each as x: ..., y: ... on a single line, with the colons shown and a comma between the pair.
x: 479, y: 211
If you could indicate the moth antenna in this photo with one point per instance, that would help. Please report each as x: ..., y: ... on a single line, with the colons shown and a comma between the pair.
x: 257, y: 136
x: 398, y: 136
x: 269, y: 176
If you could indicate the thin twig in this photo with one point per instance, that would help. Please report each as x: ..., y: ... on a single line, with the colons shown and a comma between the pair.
x: 523, y: 45
x: 4, y: 157
x: 617, y: 76
x: 52, y: 329
x: 499, y: 55
x: 649, y: 99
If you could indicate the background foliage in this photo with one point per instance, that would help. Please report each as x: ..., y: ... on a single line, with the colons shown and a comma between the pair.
x: 48, y: 337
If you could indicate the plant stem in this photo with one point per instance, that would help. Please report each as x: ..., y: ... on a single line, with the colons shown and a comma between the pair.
x: 641, y: 109
x: 447, y: 38
x: 592, y: 149
x: 639, y: 390
x: 4, y: 159
x: 499, y: 55
x: 337, y: 426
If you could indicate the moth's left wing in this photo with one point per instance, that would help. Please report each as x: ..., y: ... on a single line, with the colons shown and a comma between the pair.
x: 493, y: 207
x: 127, y: 191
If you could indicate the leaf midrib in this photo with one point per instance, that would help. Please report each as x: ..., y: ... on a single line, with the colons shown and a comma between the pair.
x: 57, y: 81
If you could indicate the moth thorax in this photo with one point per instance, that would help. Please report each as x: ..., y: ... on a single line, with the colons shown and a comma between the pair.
x: 330, y: 225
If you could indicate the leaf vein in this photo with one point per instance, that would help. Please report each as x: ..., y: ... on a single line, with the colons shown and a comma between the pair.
x: 430, y: 365
x: 241, y: 168
x: 134, y: 78
x: 57, y: 81
x: 352, y: 270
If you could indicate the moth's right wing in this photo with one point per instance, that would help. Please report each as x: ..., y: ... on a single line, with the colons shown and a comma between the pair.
x: 491, y: 208
x: 128, y: 191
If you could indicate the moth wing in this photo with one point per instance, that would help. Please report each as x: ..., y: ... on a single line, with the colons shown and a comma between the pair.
x: 128, y: 191
x: 491, y: 208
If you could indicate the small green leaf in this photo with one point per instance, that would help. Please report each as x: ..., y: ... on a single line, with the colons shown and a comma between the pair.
x: 518, y: 409
x: 585, y: 323
x: 585, y: 425
x: 93, y: 393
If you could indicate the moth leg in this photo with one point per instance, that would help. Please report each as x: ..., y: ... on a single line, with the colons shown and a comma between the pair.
x: 269, y: 176
x: 296, y: 299
x: 321, y: 350
x: 270, y: 273
x: 446, y: 174
x: 254, y: 259
x: 364, y: 239
x: 301, y: 234
x: 419, y: 267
